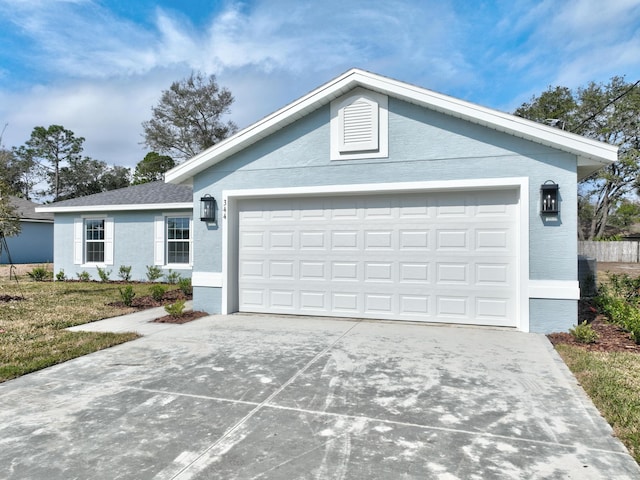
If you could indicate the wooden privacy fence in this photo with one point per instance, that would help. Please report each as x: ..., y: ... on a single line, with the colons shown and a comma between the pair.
x: 627, y: 252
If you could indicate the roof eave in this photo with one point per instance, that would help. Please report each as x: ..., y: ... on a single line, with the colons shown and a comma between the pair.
x: 600, y: 153
x: 116, y: 208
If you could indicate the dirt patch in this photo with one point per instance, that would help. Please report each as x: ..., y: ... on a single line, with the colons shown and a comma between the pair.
x: 632, y: 269
x: 10, y: 298
x: 21, y: 269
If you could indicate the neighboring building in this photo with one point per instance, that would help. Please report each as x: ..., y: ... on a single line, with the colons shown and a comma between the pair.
x: 372, y: 198
x: 139, y: 226
x: 34, y: 243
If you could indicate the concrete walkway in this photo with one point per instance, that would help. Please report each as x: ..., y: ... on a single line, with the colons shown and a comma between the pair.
x: 268, y: 397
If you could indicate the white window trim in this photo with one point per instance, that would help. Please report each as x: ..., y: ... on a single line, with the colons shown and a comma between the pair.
x: 79, y: 241
x: 376, y: 149
x: 160, y: 241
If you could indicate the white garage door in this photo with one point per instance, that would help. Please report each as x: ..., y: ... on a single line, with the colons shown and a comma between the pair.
x: 435, y: 257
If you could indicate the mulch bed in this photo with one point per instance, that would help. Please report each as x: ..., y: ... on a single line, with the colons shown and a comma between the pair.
x: 611, y: 337
x: 184, y: 318
x: 147, y: 301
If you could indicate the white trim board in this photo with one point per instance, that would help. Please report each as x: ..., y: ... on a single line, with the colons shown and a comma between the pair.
x: 206, y: 279
x: 229, y: 224
x: 554, y: 289
x: 116, y: 208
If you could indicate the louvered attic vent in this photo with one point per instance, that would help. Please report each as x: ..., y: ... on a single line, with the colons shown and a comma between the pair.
x: 359, y: 126
x: 359, y: 122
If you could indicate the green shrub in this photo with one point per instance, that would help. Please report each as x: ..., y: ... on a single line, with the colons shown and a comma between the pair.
x: 157, y: 292
x: 632, y: 325
x: 153, y: 273
x: 125, y: 273
x: 172, y: 277
x: 625, y: 286
x: 175, y: 309
x: 40, y: 274
x: 84, y: 276
x: 584, y: 333
x: 60, y: 276
x: 185, y: 286
x: 623, y: 312
x: 127, y: 294
x: 103, y: 273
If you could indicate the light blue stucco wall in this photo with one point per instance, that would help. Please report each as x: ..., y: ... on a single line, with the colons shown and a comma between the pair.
x: 133, y: 244
x: 34, y: 244
x: 423, y: 146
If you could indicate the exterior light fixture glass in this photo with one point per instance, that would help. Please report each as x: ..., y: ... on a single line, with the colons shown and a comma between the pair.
x: 208, y: 209
x: 549, y: 200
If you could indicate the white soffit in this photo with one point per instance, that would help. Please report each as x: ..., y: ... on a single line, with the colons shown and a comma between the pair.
x: 591, y: 154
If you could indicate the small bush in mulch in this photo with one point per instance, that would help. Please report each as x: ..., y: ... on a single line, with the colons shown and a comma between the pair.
x: 610, y: 337
x: 184, y: 318
x: 146, y: 301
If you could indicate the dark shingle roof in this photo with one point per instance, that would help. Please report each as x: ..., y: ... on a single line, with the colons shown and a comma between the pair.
x: 26, y: 210
x: 145, y: 194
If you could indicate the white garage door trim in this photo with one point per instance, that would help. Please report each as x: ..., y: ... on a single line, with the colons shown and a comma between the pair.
x: 230, y: 225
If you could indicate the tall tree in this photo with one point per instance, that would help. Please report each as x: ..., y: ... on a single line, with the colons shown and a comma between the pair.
x: 52, y: 148
x: 87, y: 176
x: 115, y: 177
x: 189, y: 117
x: 152, y: 168
x: 606, y: 112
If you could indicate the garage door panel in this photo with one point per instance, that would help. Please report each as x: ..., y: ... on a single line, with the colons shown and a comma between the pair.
x: 429, y: 257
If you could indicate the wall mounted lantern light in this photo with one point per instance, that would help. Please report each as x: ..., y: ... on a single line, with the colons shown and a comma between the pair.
x: 549, y: 200
x: 208, y: 209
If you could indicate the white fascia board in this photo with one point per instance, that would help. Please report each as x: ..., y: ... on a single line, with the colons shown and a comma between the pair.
x: 586, y: 148
x: 116, y: 208
x: 596, y: 153
x: 261, y: 129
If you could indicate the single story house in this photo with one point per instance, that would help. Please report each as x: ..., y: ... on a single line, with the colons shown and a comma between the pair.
x: 34, y: 243
x: 139, y: 226
x: 372, y: 198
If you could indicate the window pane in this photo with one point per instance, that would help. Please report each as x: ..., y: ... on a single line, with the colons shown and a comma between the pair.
x: 178, y: 252
x: 95, y: 252
x: 178, y: 228
x: 94, y: 229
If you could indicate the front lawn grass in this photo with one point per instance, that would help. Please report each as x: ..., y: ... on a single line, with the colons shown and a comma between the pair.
x: 32, y: 331
x: 612, y: 380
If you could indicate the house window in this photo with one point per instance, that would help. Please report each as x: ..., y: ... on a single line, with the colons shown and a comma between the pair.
x: 173, y: 242
x: 94, y: 241
x: 359, y: 126
x: 178, y: 239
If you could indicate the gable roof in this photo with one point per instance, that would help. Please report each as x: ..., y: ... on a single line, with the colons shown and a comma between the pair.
x: 591, y: 154
x: 148, y: 196
x: 26, y: 211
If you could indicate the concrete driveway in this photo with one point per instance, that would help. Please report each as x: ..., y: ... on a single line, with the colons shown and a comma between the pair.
x: 267, y: 397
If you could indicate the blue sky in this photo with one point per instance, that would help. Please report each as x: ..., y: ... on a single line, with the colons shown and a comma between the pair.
x: 98, y: 66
